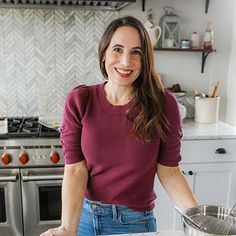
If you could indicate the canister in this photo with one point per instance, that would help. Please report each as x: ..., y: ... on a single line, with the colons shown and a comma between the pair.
x: 207, y: 109
x: 185, y: 43
x: 195, y: 40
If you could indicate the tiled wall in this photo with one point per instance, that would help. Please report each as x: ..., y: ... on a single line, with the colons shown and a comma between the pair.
x: 44, y: 53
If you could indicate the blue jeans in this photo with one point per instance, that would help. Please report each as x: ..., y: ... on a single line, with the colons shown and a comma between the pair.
x: 105, y: 219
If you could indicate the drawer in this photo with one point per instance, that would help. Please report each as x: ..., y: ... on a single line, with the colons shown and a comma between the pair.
x: 198, y: 151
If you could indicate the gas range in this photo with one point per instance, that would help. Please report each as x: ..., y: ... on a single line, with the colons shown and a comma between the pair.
x: 18, y: 127
x: 27, y: 143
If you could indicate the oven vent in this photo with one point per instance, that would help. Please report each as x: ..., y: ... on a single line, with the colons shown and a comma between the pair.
x: 113, y: 5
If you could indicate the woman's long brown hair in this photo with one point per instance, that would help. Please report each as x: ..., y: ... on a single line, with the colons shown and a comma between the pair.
x: 151, y: 121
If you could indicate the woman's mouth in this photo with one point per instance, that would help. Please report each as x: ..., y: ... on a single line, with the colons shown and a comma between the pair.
x: 123, y: 73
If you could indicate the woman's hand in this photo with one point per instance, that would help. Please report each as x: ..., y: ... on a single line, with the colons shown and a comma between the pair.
x: 59, y: 231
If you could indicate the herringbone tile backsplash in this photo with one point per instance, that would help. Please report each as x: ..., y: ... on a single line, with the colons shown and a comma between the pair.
x: 44, y: 53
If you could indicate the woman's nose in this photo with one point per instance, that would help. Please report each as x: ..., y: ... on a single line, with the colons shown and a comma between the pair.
x: 125, y: 59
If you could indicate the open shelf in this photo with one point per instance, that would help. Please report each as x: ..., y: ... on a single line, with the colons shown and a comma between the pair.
x: 205, y: 53
x: 185, y: 50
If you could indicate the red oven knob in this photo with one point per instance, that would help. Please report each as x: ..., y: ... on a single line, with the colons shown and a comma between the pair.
x: 6, y: 158
x: 54, y: 157
x: 23, y: 157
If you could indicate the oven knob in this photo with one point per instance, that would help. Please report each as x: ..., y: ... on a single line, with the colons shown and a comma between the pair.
x: 54, y: 157
x: 6, y: 158
x: 23, y: 157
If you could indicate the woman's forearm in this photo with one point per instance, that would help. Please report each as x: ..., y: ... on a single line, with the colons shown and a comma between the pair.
x: 176, y: 186
x: 73, y: 189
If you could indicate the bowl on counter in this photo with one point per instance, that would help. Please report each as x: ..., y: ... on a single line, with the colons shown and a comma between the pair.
x: 179, y: 94
x: 219, y: 212
x: 183, y: 111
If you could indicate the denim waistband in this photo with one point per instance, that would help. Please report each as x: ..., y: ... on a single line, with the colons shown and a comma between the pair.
x: 112, y: 219
x: 97, y: 208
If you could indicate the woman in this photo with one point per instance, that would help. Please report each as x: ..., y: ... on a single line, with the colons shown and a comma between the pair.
x: 116, y: 136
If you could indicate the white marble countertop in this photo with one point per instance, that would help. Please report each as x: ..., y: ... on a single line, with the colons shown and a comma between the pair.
x: 162, y: 233
x: 220, y: 130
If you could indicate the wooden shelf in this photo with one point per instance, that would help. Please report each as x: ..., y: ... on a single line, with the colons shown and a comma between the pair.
x: 205, y: 53
x: 185, y: 50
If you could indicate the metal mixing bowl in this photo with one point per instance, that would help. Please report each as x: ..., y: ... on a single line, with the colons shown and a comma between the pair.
x: 211, y: 210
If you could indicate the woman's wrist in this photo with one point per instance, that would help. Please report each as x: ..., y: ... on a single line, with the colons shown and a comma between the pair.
x: 68, y: 230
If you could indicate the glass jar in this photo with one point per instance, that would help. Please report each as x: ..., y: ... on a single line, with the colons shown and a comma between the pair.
x: 185, y: 43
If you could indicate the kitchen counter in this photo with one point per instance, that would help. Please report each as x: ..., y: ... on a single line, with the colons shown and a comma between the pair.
x: 195, y: 131
x: 162, y: 233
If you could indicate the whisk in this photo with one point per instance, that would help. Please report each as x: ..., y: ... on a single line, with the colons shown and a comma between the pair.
x: 220, y: 227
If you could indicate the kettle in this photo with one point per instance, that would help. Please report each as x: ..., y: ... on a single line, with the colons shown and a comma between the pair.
x: 154, y: 35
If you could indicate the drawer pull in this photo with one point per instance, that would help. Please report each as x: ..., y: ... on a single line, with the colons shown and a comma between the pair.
x: 220, y: 151
x: 190, y: 172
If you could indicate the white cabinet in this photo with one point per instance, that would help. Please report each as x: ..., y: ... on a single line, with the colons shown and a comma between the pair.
x: 210, y: 168
x: 213, y: 183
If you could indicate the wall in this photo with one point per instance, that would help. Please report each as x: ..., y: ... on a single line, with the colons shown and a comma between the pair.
x: 184, y: 68
x: 44, y: 54
x: 231, y: 92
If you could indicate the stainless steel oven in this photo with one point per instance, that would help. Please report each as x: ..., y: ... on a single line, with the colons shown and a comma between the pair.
x: 41, y: 199
x: 10, y: 203
x: 31, y: 173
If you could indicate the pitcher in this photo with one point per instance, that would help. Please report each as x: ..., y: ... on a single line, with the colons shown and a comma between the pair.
x: 154, y: 34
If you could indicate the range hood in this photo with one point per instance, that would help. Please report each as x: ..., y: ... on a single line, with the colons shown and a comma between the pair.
x: 113, y: 5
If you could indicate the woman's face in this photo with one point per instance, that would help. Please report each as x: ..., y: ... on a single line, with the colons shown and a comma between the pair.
x: 123, y: 56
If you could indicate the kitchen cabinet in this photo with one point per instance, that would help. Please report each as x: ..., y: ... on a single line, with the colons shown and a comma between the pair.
x: 210, y: 168
x: 211, y: 183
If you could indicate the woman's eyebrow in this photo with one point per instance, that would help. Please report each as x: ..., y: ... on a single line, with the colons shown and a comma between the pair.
x: 119, y: 45
x: 137, y: 48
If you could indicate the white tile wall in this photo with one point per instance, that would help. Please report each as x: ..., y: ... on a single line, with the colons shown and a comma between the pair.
x: 44, y: 53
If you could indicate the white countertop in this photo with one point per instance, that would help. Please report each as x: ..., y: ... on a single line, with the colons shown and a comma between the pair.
x: 163, y: 233
x: 220, y: 130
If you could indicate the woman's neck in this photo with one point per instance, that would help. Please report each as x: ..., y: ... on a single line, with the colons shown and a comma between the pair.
x: 118, y: 95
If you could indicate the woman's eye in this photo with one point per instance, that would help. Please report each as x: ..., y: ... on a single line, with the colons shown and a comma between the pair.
x: 136, y: 52
x: 117, y: 49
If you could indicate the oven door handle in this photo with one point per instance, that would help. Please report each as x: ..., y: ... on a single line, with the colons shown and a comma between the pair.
x: 26, y: 178
x: 11, y: 178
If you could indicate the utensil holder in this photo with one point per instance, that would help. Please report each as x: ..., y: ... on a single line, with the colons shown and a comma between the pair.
x: 207, y: 109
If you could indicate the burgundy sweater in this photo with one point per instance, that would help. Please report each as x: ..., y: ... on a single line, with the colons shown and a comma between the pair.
x: 121, y: 168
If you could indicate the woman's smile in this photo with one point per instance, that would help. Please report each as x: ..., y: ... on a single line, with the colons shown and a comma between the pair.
x: 124, y: 73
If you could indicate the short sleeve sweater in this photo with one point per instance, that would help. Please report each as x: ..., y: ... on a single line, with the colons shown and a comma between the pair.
x: 121, y: 168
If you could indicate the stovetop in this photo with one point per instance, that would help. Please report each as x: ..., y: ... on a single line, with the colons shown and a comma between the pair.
x: 26, y: 127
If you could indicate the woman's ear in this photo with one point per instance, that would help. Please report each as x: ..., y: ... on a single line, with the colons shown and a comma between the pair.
x: 103, y: 58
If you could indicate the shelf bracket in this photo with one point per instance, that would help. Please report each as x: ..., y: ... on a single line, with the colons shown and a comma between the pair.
x: 206, y: 6
x: 205, y: 54
x: 143, y: 5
